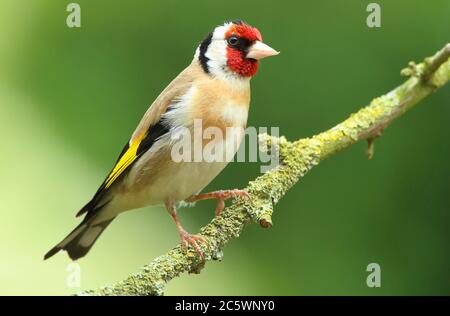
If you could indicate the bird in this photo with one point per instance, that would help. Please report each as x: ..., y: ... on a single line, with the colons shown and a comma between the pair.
x: 214, y: 89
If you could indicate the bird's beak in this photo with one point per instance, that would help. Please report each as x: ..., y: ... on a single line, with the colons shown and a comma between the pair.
x: 260, y: 50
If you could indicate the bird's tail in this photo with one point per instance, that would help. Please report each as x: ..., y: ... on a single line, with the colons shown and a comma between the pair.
x: 80, y: 240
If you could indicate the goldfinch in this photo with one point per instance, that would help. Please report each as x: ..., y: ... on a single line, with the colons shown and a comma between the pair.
x: 214, y: 90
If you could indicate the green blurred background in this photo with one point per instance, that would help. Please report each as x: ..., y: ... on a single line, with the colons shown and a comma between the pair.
x: 70, y: 98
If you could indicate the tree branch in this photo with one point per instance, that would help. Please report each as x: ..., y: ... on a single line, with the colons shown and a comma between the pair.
x: 296, y: 159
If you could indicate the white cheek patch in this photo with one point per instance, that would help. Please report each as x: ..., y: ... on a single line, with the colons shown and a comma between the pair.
x: 217, y: 56
x: 217, y: 51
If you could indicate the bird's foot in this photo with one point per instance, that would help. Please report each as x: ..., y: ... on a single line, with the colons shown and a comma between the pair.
x: 192, y: 240
x: 220, y: 196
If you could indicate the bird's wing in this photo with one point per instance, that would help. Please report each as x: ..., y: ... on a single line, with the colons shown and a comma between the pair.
x: 148, y: 131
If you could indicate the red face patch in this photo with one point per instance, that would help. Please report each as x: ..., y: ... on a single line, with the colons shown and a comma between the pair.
x: 238, y: 63
x: 245, y: 31
x: 236, y: 60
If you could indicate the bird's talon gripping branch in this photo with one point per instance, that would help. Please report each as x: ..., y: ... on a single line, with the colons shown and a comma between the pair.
x: 186, y: 238
x: 192, y: 240
x: 220, y: 196
x: 219, y: 207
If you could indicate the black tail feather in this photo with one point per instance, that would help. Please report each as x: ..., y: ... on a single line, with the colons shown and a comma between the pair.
x: 80, y: 240
x: 86, y: 208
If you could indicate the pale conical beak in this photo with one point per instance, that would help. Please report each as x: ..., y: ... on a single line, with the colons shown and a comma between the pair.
x: 260, y: 50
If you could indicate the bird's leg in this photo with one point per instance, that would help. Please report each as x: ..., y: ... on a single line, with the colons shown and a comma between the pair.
x: 221, y: 196
x: 186, y: 238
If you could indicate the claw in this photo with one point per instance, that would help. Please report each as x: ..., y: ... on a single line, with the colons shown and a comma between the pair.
x: 221, y: 196
x: 192, y: 240
x: 224, y: 195
x: 219, y: 207
x: 232, y: 194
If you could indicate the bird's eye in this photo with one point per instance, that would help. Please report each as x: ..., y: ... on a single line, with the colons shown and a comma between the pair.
x: 233, y: 40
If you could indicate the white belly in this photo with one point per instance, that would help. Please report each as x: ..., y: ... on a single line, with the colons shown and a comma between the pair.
x: 183, y: 180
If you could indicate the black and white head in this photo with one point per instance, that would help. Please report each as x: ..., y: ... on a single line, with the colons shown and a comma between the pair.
x: 232, y: 51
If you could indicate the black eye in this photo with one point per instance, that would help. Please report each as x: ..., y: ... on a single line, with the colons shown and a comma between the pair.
x: 233, y: 40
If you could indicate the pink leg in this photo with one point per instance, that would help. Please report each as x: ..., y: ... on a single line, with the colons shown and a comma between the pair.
x: 221, y: 196
x: 186, y: 238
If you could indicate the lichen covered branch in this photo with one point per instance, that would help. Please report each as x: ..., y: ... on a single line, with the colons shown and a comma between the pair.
x: 296, y: 159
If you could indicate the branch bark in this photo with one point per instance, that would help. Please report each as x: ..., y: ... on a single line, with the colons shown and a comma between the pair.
x: 296, y: 159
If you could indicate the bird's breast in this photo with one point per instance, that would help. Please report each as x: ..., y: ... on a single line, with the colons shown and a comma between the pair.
x: 221, y: 112
x: 219, y: 104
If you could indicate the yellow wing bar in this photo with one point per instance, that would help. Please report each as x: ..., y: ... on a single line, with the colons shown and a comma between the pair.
x: 127, y: 159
